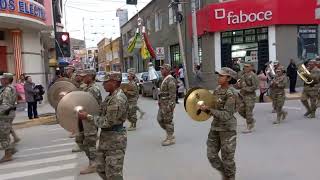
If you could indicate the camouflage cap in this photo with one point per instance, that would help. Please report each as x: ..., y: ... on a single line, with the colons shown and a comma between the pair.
x: 116, y: 76
x: 6, y: 76
x: 70, y: 67
x: 132, y: 71
x: 79, y: 71
x: 166, y: 66
x: 225, y: 71
x: 88, y: 72
x: 247, y: 65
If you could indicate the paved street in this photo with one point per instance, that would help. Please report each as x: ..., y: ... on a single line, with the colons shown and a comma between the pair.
x: 286, y: 152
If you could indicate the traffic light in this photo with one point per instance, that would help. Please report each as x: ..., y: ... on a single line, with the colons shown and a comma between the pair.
x: 132, y: 2
x: 63, y: 44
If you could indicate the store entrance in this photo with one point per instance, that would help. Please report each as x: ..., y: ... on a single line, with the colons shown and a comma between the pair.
x: 245, y: 46
x: 3, y: 59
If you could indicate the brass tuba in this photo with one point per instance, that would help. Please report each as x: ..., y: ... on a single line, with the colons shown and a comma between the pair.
x: 304, y: 74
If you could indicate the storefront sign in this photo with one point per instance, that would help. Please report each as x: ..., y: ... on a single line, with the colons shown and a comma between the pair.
x: 242, y: 17
x: 26, y: 8
x: 245, y: 14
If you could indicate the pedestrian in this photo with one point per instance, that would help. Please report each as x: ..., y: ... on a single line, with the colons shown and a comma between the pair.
x: 30, y: 98
x: 113, y: 136
x: 181, y: 74
x: 21, y: 98
x: 248, y: 84
x: 292, y: 74
x: 90, y: 130
x: 278, y: 84
x: 167, y: 103
x: 262, y: 84
x: 223, y: 132
x: 132, y: 94
x: 8, y: 99
x: 310, y: 91
x: 197, y: 76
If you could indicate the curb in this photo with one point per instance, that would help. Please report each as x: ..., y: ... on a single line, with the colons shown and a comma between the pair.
x: 35, y: 122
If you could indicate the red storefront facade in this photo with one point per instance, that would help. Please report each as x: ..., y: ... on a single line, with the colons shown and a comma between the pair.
x: 258, y: 31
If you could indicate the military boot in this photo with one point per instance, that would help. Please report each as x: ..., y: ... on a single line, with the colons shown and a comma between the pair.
x: 170, y: 140
x: 312, y: 115
x: 76, y: 149
x: 8, y: 155
x: 250, y: 128
x: 306, y: 105
x: 142, y: 114
x: 90, y: 169
x: 133, y: 127
x: 284, y: 115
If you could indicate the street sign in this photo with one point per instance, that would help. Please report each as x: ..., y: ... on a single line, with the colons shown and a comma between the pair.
x: 160, y: 54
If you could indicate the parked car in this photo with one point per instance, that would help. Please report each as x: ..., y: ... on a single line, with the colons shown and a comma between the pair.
x: 125, y: 78
x: 150, y: 87
x: 100, y: 76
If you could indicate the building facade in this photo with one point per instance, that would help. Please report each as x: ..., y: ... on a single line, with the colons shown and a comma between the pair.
x: 228, y: 32
x: 23, y: 27
x: 109, y: 54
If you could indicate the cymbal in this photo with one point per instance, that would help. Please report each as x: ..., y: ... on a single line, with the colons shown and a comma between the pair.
x: 70, y: 104
x: 188, y: 93
x: 195, y: 99
x: 58, y: 90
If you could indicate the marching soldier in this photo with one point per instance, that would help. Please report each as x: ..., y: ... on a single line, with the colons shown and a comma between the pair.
x: 278, y: 85
x: 7, y: 115
x: 70, y: 72
x: 80, y: 136
x: 223, y: 132
x: 248, y: 84
x: 310, y: 91
x: 167, y: 103
x: 132, y: 96
x: 113, y: 137
x: 89, y: 133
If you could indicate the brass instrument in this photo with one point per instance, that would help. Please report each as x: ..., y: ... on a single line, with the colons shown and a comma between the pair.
x: 305, y: 74
x: 58, y: 90
x: 194, y: 99
x: 271, y: 71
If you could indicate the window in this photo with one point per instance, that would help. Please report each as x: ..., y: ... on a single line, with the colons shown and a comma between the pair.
x: 148, y: 25
x: 171, y: 16
x: 200, y: 49
x: 307, y: 42
x: 158, y: 21
x: 175, y: 55
x: 198, y: 4
x: 1, y: 35
x: 89, y: 51
x: 95, y: 51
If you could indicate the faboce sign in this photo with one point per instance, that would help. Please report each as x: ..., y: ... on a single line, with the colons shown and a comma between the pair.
x: 244, y: 14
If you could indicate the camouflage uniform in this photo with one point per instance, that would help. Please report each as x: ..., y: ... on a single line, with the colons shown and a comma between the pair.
x: 113, y: 137
x: 7, y: 115
x: 279, y: 96
x: 272, y: 93
x: 310, y: 91
x: 247, y: 97
x: 133, y: 96
x: 167, y: 103
x: 223, y: 133
x: 90, y: 131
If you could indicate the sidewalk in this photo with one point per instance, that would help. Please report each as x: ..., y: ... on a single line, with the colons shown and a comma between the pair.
x: 43, y: 110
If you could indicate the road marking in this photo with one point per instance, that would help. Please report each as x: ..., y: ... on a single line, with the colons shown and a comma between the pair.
x: 32, y: 172
x: 56, y: 129
x: 65, y: 178
x: 39, y: 161
x: 293, y: 108
x: 47, y: 147
x: 62, y: 139
x: 42, y: 153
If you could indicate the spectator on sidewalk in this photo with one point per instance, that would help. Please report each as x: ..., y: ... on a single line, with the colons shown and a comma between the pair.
x: 197, y: 76
x: 262, y: 84
x: 181, y: 74
x: 30, y: 98
x: 21, y: 98
x: 292, y: 74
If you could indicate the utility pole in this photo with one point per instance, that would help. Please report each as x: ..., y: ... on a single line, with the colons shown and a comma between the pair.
x: 195, y: 33
x: 179, y: 18
x: 85, y: 44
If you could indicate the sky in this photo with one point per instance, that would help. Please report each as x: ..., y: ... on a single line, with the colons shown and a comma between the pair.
x: 97, y: 18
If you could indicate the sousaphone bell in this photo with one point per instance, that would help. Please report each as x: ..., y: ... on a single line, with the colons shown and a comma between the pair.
x: 71, y: 104
x: 58, y: 90
x: 197, y: 97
